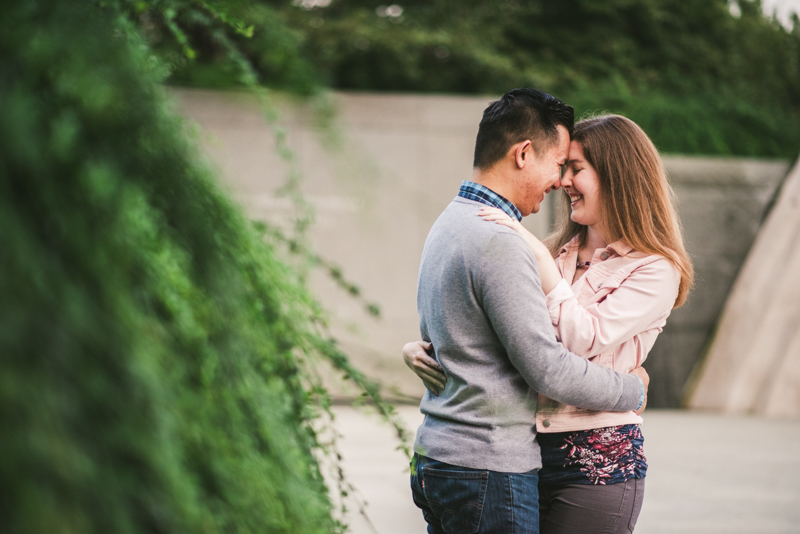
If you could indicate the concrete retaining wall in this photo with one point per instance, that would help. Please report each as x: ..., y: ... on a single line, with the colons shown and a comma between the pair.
x: 722, y: 203
x: 753, y: 365
x: 382, y: 175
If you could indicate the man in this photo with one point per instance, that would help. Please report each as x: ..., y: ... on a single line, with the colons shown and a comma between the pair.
x: 481, y: 305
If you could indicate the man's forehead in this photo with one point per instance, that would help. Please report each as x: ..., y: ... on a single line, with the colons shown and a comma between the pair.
x: 563, y: 134
x: 558, y: 149
x: 562, y: 146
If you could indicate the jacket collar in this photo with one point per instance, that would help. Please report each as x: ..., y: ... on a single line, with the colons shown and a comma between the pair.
x: 620, y: 247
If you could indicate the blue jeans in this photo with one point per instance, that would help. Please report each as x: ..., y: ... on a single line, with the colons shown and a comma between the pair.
x: 460, y: 500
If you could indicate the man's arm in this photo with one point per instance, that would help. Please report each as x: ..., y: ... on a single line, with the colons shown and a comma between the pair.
x: 510, y: 292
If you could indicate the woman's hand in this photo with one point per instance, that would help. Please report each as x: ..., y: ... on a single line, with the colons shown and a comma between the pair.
x: 548, y: 271
x: 417, y: 359
x: 501, y: 217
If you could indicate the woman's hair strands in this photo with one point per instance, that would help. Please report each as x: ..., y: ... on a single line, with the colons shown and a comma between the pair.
x: 637, y: 202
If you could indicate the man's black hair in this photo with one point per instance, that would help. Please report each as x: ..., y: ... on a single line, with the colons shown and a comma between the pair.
x: 520, y: 114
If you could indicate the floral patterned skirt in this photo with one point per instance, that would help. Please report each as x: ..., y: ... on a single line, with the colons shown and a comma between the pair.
x: 597, y: 456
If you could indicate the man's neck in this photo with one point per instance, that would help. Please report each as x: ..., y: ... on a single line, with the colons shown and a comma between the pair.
x: 498, y: 183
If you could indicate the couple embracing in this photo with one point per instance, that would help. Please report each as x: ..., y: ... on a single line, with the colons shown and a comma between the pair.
x: 532, y: 353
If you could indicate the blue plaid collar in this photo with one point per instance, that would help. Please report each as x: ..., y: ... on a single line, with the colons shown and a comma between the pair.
x: 484, y: 195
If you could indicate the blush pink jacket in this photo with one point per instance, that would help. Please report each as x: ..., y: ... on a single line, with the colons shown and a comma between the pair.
x: 610, y: 315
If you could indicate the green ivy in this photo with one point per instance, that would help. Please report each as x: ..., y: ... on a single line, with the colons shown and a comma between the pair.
x: 158, y: 369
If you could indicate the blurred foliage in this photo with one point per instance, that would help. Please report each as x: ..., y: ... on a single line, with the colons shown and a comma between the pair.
x: 696, y: 76
x: 158, y: 369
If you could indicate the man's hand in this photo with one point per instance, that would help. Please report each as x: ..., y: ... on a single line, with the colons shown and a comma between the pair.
x: 642, y: 374
x: 417, y: 359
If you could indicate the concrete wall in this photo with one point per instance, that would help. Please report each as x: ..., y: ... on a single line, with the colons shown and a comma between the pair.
x: 753, y: 365
x: 722, y: 203
x: 396, y: 161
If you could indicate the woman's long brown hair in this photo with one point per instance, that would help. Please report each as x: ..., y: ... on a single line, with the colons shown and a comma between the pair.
x: 637, y: 202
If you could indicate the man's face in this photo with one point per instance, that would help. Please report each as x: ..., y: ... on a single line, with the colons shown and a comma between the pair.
x: 542, y: 172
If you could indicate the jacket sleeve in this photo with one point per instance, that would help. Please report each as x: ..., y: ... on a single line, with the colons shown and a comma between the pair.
x: 641, y: 301
x: 509, y: 288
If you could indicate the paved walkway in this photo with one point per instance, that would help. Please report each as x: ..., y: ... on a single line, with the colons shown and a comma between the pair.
x: 708, y: 474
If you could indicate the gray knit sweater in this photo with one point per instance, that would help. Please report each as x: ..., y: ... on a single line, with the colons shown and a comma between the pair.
x: 480, y: 302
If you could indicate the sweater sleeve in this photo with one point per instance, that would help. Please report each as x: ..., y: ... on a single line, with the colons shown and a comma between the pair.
x: 510, y: 291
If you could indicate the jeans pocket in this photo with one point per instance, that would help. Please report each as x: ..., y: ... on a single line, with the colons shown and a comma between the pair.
x: 456, y: 497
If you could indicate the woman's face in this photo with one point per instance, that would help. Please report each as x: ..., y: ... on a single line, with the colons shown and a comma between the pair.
x: 580, y: 182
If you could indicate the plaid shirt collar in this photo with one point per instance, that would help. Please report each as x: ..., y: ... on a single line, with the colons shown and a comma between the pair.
x: 484, y: 195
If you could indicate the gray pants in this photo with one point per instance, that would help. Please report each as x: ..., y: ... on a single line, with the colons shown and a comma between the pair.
x: 590, y: 509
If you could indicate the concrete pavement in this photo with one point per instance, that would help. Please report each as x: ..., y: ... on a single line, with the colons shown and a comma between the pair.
x: 708, y: 473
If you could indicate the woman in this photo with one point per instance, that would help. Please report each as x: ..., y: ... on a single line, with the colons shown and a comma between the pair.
x: 620, y: 267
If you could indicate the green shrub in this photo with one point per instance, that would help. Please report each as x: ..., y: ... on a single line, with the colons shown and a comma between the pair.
x: 719, y: 123
x: 154, y: 373
x: 697, y: 77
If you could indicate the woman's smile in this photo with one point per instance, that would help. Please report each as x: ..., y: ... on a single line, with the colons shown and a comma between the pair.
x: 582, y: 185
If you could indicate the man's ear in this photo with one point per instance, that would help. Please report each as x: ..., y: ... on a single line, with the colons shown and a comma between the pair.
x: 523, y: 152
